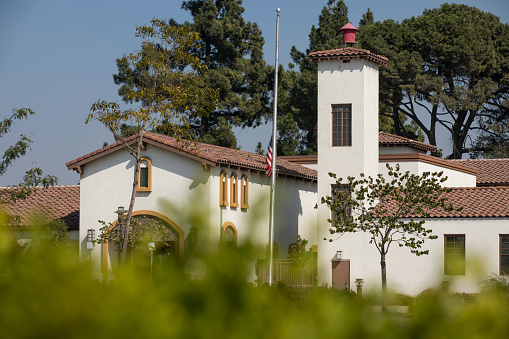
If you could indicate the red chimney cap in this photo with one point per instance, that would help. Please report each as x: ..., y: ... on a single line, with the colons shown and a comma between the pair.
x: 348, y: 26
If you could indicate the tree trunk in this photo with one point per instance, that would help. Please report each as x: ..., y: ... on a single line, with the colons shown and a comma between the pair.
x: 384, y: 283
x: 133, y: 197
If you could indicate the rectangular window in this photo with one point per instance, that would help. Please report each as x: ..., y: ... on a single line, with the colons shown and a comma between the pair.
x: 454, y: 256
x: 342, y: 125
x: 340, y: 188
x: 504, y: 254
x: 144, y: 177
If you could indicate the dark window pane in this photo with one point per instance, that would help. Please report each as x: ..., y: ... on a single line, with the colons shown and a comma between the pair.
x: 341, y: 125
x: 144, y: 177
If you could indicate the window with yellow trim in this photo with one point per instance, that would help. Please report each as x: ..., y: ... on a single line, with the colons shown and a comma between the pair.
x: 234, y: 190
x: 244, y: 192
x: 145, y: 175
x: 223, y: 189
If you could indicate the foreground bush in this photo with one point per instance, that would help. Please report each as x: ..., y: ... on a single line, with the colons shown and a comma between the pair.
x: 46, y: 294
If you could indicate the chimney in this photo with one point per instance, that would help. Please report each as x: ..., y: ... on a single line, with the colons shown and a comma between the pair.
x: 348, y: 31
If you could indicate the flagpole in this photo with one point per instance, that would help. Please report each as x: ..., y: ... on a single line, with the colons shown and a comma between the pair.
x: 274, y: 151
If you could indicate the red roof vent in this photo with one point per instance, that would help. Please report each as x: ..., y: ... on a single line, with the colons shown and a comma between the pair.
x: 348, y: 31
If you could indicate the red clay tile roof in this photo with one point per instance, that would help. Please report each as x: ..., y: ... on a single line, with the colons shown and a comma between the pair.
x: 347, y: 53
x: 477, y: 202
x: 388, y: 140
x: 491, y: 172
x: 210, y: 154
x: 58, y: 202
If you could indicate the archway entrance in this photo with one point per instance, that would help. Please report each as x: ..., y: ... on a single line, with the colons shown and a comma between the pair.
x: 166, y: 250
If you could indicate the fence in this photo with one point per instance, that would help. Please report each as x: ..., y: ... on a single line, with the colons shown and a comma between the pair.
x: 285, y: 271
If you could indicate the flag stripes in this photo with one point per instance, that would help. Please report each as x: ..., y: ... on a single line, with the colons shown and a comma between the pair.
x: 268, y: 159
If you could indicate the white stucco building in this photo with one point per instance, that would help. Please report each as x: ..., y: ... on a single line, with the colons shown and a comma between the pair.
x: 212, y: 196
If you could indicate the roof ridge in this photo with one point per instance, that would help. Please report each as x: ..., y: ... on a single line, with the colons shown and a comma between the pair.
x: 211, y: 154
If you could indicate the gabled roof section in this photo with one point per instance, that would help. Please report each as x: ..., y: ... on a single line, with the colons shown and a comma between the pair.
x: 209, y: 154
x: 348, y: 53
x: 491, y: 172
x: 391, y: 140
x: 57, y: 202
x: 477, y: 202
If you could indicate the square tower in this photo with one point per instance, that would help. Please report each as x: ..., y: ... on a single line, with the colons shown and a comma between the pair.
x: 347, y: 129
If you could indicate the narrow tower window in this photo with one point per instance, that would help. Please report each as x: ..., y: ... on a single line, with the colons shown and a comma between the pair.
x: 342, y: 125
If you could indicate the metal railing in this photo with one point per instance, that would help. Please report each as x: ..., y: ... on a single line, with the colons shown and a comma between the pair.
x: 285, y: 271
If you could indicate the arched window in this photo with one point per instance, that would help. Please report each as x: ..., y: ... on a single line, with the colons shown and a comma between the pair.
x: 145, y: 175
x: 223, y: 189
x: 229, y: 235
x: 234, y: 190
x: 244, y: 192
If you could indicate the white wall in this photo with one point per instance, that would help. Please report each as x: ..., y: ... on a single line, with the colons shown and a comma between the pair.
x: 410, y: 274
x: 189, y: 195
x: 399, y: 149
x: 455, y: 178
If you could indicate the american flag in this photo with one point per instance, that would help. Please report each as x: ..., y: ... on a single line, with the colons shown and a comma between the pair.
x: 268, y: 159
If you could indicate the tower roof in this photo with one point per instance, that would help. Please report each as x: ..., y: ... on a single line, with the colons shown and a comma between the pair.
x: 349, y: 26
x: 346, y: 54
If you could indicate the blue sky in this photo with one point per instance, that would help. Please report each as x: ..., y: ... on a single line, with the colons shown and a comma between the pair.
x: 58, y: 56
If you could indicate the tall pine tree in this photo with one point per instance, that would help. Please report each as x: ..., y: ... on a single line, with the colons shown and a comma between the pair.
x: 304, y: 83
x: 232, y: 50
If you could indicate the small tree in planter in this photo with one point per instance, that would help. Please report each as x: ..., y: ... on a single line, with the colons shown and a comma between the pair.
x: 385, y: 209
x: 300, y: 256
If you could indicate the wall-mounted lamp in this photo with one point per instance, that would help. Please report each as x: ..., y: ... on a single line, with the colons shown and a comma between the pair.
x: 90, y: 239
x: 120, y: 212
x: 339, y: 255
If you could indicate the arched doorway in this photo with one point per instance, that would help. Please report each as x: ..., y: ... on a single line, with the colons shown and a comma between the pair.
x: 171, y: 249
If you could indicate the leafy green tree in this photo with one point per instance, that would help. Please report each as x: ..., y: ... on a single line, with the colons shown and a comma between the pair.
x: 300, y: 256
x: 169, y: 88
x: 383, y: 208
x: 445, y: 68
x: 33, y: 177
x: 56, y: 234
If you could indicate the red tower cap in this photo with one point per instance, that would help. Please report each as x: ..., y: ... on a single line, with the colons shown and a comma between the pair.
x: 348, y: 31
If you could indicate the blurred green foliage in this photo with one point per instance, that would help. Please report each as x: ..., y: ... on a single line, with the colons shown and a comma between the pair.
x: 48, y: 293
